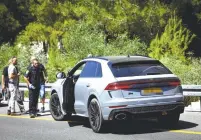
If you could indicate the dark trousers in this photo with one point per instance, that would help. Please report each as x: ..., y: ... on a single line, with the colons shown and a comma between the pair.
x: 33, y: 100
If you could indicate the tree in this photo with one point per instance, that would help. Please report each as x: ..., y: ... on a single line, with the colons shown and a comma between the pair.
x: 174, y: 41
x: 8, y: 24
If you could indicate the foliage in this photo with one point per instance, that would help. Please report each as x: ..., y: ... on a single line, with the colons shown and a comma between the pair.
x: 174, y: 41
x: 81, y: 40
x: 14, y: 16
x: 8, y: 23
x: 197, y: 5
x: 113, y: 27
x: 6, y: 52
x: 133, y: 18
x: 188, y: 72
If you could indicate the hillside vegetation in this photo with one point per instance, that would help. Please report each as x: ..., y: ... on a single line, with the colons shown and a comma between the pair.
x: 155, y: 28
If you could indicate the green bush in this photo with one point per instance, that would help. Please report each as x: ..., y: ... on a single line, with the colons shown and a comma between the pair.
x: 81, y: 40
x: 188, y: 72
x: 6, y: 52
x: 174, y: 41
x: 170, y: 47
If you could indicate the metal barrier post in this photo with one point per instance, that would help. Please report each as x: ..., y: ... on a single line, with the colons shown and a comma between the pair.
x: 200, y: 103
x: 22, y: 94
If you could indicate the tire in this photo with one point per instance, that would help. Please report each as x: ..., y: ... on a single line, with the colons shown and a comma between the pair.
x: 169, y: 120
x: 95, y: 116
x: 55, y: 108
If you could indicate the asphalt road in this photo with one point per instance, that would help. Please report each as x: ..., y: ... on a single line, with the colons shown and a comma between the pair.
x: 43, y: 127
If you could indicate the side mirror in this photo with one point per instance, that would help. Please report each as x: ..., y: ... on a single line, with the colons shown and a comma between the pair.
x: 61, y: 75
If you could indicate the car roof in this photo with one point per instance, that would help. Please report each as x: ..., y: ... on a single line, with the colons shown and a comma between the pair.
x: 122, y: 59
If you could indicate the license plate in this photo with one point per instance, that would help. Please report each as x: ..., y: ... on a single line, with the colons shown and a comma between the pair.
x: 151, y: 91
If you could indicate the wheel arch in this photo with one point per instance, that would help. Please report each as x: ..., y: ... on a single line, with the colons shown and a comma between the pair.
x: 90, y: 98
x: 54, y: 91
x: 99, y: 128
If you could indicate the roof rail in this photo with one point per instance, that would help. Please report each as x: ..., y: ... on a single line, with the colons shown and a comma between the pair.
x: 141, y: 55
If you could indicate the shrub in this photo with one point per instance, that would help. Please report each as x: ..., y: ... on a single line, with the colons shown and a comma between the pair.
x: 6, y: 52
x: 188, y: 72
x: 81, y: 40
x: 174, y: 41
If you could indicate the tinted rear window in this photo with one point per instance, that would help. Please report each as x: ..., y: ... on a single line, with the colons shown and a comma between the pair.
x: 129, y: 69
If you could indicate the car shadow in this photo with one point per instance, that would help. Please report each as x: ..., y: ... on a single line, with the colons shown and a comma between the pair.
x: 145, y: 126
x: 77, y: 121
x: 137, y: 126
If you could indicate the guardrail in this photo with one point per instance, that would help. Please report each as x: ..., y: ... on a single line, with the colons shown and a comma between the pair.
x: 191, y: 90
x: 188, y: 90
x: 23, y: 87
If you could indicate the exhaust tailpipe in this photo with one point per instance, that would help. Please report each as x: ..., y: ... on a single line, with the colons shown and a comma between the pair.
x: 120, y: 116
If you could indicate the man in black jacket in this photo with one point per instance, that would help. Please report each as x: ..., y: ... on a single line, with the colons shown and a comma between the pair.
x: 33, y: 80
x: 44, y: 79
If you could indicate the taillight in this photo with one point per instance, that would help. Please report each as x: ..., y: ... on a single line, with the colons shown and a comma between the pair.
x: 176, y: 83
x: 118, y: 106
x: 119, y: 85
x: 139, y: 84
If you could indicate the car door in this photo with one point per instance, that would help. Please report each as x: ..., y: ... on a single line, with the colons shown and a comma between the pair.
x: 69, y: 85
x: 89, y: 75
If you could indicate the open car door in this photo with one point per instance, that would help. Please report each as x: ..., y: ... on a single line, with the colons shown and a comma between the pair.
x: 69, y: 86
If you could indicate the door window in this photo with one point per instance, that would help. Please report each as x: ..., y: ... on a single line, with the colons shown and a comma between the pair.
x: 91, y: 70
x: 79, y: 70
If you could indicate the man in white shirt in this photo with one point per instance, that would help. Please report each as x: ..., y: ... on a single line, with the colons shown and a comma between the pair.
x: 13, y: 85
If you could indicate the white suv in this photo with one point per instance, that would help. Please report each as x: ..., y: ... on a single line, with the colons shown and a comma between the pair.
x: 117, y: 88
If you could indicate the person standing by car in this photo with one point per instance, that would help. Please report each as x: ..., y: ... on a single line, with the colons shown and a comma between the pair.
x: 44, y: 79
x: 13, y: 85
x: 19, y: 97
x: 33, y: 80
x: 4, y: 83
x: 5, y: 89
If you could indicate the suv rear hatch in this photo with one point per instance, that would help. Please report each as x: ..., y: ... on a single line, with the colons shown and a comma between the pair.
x: 144, y: 79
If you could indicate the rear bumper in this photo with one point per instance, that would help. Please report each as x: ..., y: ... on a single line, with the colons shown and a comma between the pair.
x: 146, y: 111
x: 142, y: 105
x: 149, y: 111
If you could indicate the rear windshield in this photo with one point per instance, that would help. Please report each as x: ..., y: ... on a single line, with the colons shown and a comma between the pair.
x: 129, y: 69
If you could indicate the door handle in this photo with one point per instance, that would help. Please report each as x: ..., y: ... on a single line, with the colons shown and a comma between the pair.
x: 88, y: 85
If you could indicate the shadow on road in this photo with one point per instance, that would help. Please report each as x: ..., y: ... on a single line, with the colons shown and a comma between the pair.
x: 40, y: 114
x: 139, y: 126
x: 77, y: 121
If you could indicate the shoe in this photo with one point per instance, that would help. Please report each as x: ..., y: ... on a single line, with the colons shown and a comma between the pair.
x: 43, y: 109
x: 12, y: 114
x: 32, y: 116
x: 8, y: 112
x: 22, y: 111
x: 35, y: 114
